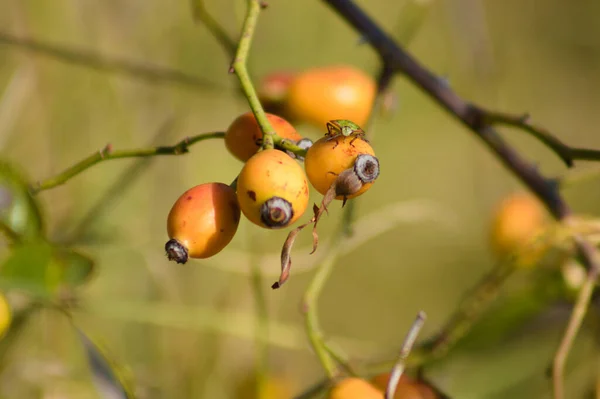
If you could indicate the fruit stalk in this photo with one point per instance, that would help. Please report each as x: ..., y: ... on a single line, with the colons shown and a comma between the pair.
x: 238, y: 66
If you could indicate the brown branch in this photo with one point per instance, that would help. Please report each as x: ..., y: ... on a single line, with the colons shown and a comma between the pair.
x: 469, y: 115
x: 481, y: 122
x: 566, y: 153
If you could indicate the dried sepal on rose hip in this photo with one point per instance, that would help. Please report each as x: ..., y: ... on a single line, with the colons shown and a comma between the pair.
x: 202, y: 222
x: 332, y: 154
x: 272, y: 189
x: 348, y: 184
x: 243, y: 137
x: 337, y: 171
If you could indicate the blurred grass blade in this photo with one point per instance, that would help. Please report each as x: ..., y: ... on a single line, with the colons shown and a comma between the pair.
x: 19, y: 321
x: 20, y: 214
x: 367, y: 228
x: 104, y: 374
x: 542, y: 288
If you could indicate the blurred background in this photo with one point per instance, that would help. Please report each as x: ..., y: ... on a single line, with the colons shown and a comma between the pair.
x: 187, y: 331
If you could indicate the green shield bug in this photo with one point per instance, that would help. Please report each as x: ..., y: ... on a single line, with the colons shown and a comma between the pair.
x: 345, y: 128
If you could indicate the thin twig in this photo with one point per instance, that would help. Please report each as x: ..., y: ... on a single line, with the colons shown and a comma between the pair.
x: 134, y: 69
x: 477, y: 120
x: 409, y: 341
x: 309, y: 306
x: 202, y: 15
x: 79, y: 232
x: 573, y: 326
x: 468, y: 312
x: 566, y: 153
x: 107, y: 153
x: 238, y: 67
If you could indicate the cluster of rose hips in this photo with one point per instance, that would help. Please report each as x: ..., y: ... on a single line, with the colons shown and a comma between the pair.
x: 272, y: 188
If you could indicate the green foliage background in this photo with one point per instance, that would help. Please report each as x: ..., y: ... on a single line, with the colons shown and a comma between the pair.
x: 186, y: 331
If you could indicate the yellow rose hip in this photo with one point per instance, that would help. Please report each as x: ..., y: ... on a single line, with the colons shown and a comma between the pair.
x: 272, y: 189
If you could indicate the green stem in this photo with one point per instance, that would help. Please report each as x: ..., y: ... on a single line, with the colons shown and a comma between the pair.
x: 262, y: 331
x: 107, y: 153
x: 467, y: 313
x: 310, y: 301
x: 288, y: 145
x: 239, y: 67
x: 102, y: 62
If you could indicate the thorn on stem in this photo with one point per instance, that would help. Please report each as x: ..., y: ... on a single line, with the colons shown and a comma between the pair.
x: 231, y: 68
x: 362, y: 40
x: 524, y: 118
x: 106, y: 150
x: 304, y: 307
x: 263, y: 5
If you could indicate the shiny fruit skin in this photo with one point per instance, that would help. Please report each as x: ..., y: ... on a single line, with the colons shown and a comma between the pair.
x: 517, y: 220
x: 354, y: 388
x: 268, y: 174
x: 242, y: 134
x: 204, y: 219
x: 326, y: 159
x: 333, y: 92
x: 5, y: 315
x: 407, y: 387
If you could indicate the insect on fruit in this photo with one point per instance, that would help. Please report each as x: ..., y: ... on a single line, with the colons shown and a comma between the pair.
x: 344, y: 128
x: 326, y: 160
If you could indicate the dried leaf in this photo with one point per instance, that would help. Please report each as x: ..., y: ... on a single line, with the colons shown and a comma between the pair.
x: 286, y: 258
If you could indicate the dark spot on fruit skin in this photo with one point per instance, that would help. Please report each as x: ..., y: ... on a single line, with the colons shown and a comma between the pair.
x: 251, y: 194
x: 236, y: 211
x: 280, y: 163
x: 221, y: 230
x: 189, y: 198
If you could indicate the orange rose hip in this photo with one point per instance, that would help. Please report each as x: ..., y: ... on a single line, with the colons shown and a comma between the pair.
x: 242, y: 135
x: 202, y: 222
